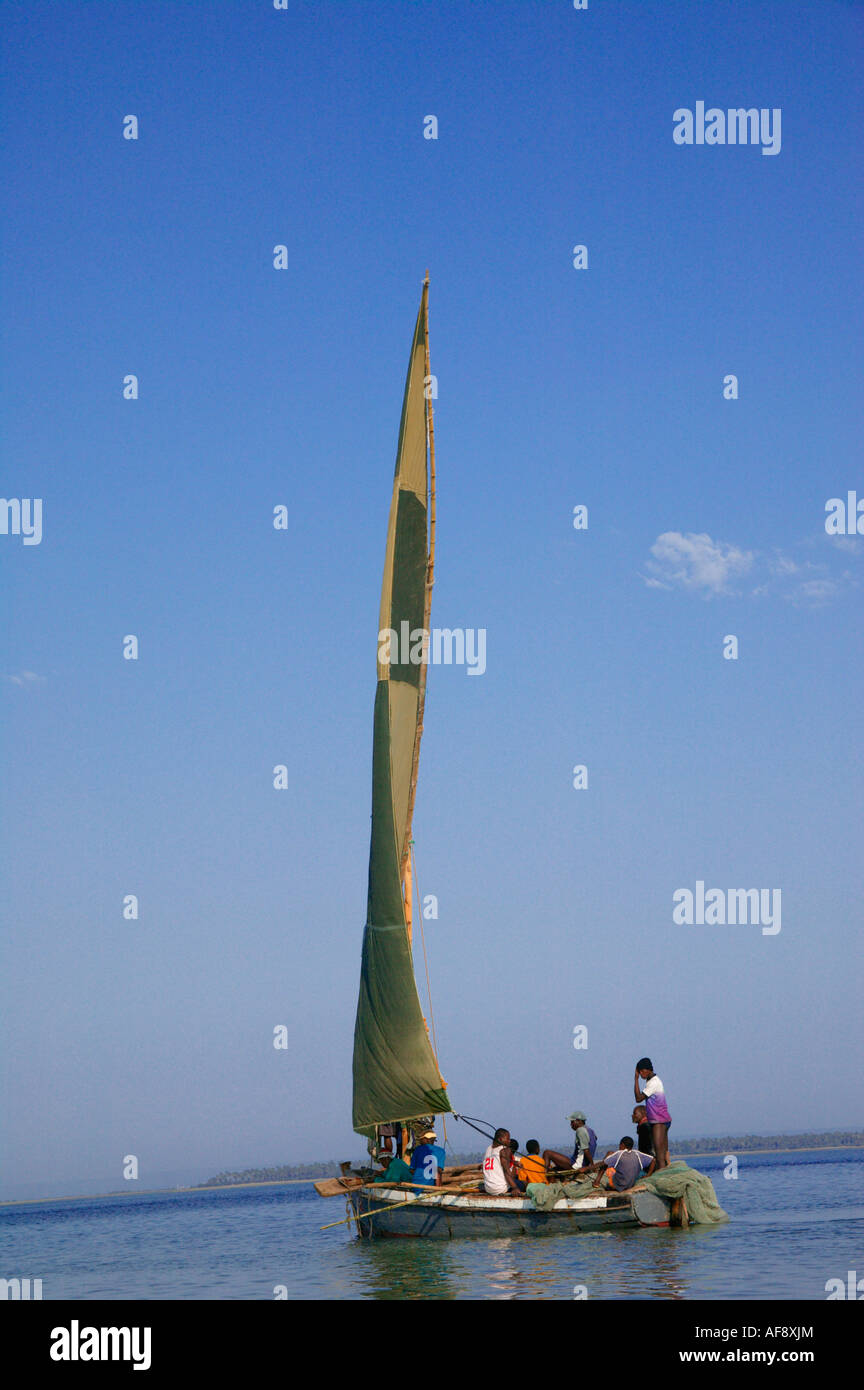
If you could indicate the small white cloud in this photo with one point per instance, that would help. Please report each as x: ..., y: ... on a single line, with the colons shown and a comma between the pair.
x: 695, y: 562
x: 698, y: 563
x: 815, y: 591
x: 25, y: 678
x: 781, y: 564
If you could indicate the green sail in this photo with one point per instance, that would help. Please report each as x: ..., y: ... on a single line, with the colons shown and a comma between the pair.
x: 396, y: 1076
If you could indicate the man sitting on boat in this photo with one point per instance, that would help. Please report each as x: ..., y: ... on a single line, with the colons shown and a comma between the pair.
x: 585, y: 1144
x: 427, y: 1161
x: 514, y: 1164
x: 498, y: 1179
x: 530, y: 1167
x: 624, y: 1167
x: 397, y: 1171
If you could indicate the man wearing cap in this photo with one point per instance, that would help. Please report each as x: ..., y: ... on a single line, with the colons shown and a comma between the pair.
x: 585, y: 1144
x: 427, y: 1161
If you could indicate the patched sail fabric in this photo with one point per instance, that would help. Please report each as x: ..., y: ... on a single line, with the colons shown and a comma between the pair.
x: 396, y: 1076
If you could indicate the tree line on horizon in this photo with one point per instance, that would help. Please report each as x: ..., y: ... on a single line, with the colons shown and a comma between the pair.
x: 738, y: 1143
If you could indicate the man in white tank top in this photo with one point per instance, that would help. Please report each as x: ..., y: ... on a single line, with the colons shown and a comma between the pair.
x: 498, y: 1180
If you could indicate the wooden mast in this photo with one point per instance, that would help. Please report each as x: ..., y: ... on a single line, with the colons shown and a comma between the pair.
x: 427, y: 609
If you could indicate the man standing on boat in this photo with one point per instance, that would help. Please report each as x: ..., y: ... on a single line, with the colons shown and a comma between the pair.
x: 498, y: 1179
x: 385, y: 1135
x: 419, y: 1128
x: 653, y: 1097
x: 583, y: 1151
x: 644, y: 1131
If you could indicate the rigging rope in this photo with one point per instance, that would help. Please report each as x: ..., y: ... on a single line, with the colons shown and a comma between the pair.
x: 487, y: 1134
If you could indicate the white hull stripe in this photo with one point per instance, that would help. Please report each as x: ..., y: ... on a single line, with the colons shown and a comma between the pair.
x: 454, y: 1199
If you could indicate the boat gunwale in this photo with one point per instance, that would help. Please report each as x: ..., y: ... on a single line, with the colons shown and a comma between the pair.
x: 484, y: 1201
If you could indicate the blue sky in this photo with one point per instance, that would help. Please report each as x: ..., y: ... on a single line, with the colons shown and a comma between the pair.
x: 557, y: 387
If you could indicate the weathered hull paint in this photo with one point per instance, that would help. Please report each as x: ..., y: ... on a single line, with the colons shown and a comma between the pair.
x: 448, y: 1216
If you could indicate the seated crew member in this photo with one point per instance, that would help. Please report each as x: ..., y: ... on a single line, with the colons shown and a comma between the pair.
x: 514, y: 1165
x: 644, y: 1134
x: 498, y: 1179
x: 624, y: 1167
x: 427, y: 1161
x: 657, y: 1112
x: 583, y: 1151
x: 531, y: 1167
x: 397, y: 1170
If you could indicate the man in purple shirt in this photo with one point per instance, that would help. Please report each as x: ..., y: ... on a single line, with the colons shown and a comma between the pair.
x: 653, y: 1097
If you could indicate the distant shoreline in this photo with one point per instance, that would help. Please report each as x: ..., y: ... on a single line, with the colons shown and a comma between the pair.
x: 158, y: 1191
x: 742, y: 1153
x: 288, y: 1182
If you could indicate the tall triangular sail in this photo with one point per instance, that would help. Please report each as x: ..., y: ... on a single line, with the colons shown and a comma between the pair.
x: 396, y: 1076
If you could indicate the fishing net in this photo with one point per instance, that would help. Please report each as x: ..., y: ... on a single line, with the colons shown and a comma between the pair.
x: 678, y: 1180
x: 697, y: 1189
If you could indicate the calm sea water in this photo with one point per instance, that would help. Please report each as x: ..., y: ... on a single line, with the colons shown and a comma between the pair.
x: 797, y: 1220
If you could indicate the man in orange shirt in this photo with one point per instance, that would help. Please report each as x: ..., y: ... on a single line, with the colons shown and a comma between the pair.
x: 531, y: 1165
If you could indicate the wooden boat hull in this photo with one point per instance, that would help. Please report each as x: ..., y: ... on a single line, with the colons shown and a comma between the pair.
x: 450, y: 1215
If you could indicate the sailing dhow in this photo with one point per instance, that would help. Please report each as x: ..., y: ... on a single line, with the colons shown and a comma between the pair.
x: 397, y: 1080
